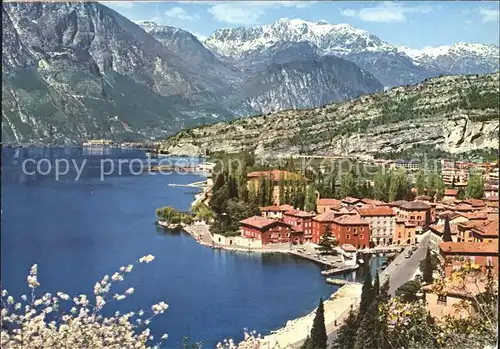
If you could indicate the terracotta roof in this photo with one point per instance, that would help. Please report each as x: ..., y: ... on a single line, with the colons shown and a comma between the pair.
x: 350, y: 220
x: 376, y: 211
x: 415, y: 205
x: 463, y: 207
x: 439, y: 229
x: 327, y: 216
x: 469, y: 247
x: 275, y: 174
x: 449, y: 214
x: 423, y: 198
x: 259, y: 222
x: 450, y: 192
x: 474, y: 216
x: 398, y: 203
x: 490, y: 229
x: 349, y: 248
x: 329, y: 202
x: 275, y: 208
x: 474, y: 202
x: 298, y: 213
x: 491, y: 198
x: 351, y: 200
x: 373, y: 202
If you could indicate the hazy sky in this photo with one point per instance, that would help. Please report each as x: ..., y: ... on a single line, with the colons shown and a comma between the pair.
x: 414, y: 24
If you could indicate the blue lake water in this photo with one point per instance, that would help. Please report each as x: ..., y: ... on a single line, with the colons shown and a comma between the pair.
x: 79, y: 231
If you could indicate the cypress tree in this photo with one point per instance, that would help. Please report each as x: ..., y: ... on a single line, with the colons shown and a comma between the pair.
x: 367, y: 296
x: 318, y: 331
x: 427, y: 272
x: 367, y: 336
x: 384, y: 295
x: 383, y: 328
x: 447, y: 230
x: 347, y: 332
x: 376, y: 285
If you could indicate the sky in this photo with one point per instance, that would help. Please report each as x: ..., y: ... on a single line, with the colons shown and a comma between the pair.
x: 415, y: 24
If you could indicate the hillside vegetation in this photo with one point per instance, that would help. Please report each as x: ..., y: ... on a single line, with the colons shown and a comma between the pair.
x: 452, y: 113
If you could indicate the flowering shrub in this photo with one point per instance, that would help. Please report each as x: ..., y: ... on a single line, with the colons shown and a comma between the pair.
x: 252, y: 341
x: 40, y: 322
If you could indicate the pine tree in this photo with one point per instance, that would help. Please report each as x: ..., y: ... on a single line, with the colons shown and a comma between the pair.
x: 347, y: 332
x: 325, y: 243
x: 318, y: 331
x: 367, y: 296
x: 447, y: 230
x: 427, y: 272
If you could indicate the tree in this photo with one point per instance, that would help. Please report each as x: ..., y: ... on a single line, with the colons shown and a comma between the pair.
x: 310, y: 202
x: 348, y: 185
x: 427, y: 267
x: 475, y: 186
x: 408, y: 291
x: 326, y: 242
x: 318, y: 331
x: 380, y: 188
x: 420, y: 183
x: 447, y: 230
x: 367, y: 296
x: 376, y: 285
x: 461, y: 194
x: 383, y: 328
x: 347, y: 332
x: 367, y: 336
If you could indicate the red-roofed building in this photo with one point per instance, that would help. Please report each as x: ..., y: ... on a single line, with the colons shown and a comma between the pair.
x: 350, y: 201
x: 492, y: 201
x: 300, y: 222
x: 486, y: 233
x: 382, y: 220
x: 266, y: 230
x: 275, y: 211
x: 455, y: 254
x: 450, y: 194
x: 353, y: 230
x: 404, y: 233
x: 325, y: 204
x: 415, y: 212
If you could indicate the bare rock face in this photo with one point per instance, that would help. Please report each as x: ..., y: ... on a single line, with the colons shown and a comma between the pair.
x: 452, y: 113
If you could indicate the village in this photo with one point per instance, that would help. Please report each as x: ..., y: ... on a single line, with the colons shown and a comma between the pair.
x: 457, y: 231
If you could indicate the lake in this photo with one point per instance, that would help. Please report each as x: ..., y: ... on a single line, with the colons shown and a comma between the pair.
x: 78, y: 231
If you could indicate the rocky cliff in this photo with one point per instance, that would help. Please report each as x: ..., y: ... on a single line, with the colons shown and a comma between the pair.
x: 452, y: 113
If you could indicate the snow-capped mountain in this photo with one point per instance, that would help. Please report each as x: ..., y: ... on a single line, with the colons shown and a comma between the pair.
x: 389, y: 64
x: 334, y: 39
x: 460, y: 58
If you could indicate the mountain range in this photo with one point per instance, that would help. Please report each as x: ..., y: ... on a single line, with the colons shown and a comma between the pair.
x: 74, y: 71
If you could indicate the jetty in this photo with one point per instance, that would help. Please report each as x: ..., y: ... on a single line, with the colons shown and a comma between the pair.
x: 337, y: 282
x: 334, y: 271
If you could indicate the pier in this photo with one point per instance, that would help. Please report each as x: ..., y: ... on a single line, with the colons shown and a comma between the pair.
x: 334, y: 271
x: 339, y: 282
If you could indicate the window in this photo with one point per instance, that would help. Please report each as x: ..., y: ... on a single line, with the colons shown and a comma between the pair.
x: 355, y: 231
x: 347, y: 236
x: 441, y: 298
x: 361, y: 236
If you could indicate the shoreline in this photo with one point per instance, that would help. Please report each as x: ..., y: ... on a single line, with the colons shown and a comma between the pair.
x: 294, y: 332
